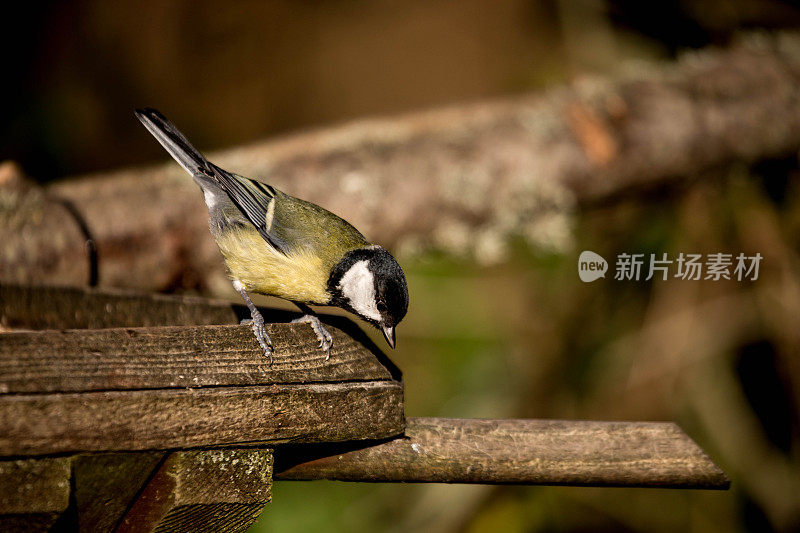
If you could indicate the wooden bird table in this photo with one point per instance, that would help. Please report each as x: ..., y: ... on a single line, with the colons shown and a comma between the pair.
x: 130, y: 412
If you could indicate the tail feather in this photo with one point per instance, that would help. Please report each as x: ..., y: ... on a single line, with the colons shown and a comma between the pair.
x: 173, y: 141
x: 251, y: 197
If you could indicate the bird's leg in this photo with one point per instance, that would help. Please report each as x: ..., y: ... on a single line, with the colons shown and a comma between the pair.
x: 325, y: 338
x: 257, y: 321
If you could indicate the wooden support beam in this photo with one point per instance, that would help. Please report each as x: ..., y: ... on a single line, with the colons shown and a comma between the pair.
x: 535, y: 452
x: 191, y: 491
x: 107, y: 484
x: 34, y: 493
x: 198, y: 491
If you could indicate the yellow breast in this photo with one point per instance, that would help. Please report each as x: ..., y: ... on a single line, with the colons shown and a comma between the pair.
x: 299, y: 276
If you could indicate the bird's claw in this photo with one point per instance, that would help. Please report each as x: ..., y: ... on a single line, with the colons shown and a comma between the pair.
x: 325, y: 339
x: 260, y: 331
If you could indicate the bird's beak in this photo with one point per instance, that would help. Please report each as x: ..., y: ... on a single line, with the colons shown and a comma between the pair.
x: 388, y: 333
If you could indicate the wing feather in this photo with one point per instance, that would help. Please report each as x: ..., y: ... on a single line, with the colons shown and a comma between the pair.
x: 253, y: 199
x: 286, y: 223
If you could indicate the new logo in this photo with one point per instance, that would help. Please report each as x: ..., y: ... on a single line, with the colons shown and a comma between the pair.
x: 591, y: 266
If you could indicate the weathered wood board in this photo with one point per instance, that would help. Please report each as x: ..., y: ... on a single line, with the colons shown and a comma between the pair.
x: 203, y: 491
x: 35, y: 424
x: 43, y: 307
x: 177, y: 357
x: 155, y: 388
x: 172, y: 387
x: 195, y: 490
x: 107, y: 484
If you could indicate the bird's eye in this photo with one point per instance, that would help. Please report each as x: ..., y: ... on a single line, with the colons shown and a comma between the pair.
x: 381, y: 307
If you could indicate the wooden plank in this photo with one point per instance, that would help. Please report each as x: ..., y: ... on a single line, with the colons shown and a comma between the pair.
x: 106, y: 485
x: 198, y: 490
x: 554, y: 452
x: 51, y: 307
x: 34, y: 424
x: 170, y: 357
x: 211, y: 490
x: 34, y: 494
x: 57, y: 307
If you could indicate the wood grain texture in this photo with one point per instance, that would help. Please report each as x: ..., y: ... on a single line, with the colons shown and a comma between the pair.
x: 106, y: 484
x: 211, y: 490
x: 177, y: 357
x: 145, y: 388
x: 51, y: 307
x: 554, y: 452
x: 34, y: 493
x: 34, y: 424
x: 37, y: 485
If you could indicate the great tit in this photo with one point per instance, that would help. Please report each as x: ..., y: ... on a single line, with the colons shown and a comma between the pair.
x: 283, y: 246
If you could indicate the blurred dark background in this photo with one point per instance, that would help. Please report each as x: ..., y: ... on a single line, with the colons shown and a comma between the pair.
x: 523, y: 338
x: 244, y: 70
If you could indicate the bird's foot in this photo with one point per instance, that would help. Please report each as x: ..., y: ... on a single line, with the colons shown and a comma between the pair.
x: 325, y: 338
x: 260, y: 331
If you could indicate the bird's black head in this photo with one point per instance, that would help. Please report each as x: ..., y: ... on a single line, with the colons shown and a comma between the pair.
x: 370, y: 283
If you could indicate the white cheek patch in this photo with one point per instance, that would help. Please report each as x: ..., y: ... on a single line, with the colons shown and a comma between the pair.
x: 358, y: 286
